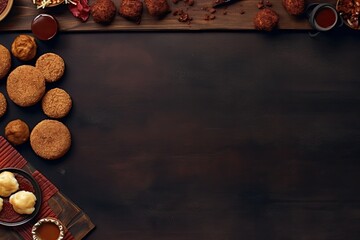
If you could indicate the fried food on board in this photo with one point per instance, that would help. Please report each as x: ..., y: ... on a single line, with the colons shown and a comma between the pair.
x: 131, y: 10
x: 103, y: 11
x: 266, y: 19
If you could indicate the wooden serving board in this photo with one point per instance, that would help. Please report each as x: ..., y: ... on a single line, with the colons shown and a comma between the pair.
x: 237, y: 16
x: 74, y: 219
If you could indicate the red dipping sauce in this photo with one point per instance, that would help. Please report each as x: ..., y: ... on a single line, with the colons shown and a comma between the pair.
x: 325, y: 17
x: 44, y: 26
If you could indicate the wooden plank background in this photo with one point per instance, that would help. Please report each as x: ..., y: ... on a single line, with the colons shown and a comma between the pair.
x: 24, y: 11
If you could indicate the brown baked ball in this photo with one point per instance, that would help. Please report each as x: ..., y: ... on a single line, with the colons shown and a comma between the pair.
x: 103, y: 11
x: 294, y: 7
x: 5, y: 61
x: 51, y: 65
x: 25, y: 85
x: 3, y: 105
x: 24, y: 47
x: 157, y: 8
x: 131, y: 10
x: 17, y: 132
x: 56, y: 103
x: 266, y: 19
x: 50, y: 139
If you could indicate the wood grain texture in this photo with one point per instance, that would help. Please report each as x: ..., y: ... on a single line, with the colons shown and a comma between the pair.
x: 24, y: 11
x: 216, y: 136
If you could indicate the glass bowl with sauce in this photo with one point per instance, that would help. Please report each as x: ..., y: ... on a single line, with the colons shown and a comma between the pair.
x: 44, y: 26
x: 5, y: 7
x: 48, y: 229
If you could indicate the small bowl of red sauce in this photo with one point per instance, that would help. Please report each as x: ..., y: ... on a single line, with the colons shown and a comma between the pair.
x: 48, y: 229
x: 44, y: 26
x: 5, y: 7
x: 323, y: 17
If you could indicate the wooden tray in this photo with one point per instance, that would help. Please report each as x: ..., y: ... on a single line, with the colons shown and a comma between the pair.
x: 238, y: 16
x: 75, y: 220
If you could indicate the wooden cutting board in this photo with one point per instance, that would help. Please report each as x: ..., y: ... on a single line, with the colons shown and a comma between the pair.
x: 238, y: 16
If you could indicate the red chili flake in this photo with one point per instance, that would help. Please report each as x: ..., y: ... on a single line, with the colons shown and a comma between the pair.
x: 212, y: 10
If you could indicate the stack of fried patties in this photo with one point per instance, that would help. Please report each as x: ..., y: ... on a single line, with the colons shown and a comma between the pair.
x: 26, y: 86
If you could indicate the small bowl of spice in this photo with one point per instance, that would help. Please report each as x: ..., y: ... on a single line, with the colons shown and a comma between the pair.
x: 48, y: 229
x: 5, y: 7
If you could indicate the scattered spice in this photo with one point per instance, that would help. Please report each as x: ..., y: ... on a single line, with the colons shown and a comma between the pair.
x: 262, y: 4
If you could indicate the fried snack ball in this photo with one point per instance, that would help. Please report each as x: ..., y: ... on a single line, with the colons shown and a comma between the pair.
x: 1, y: 203
x: 266, y: 19
x: 103, y: 11
x: 157, y: 8
x: 24, y: 47
x: 131, y: 10
x: 5, y: 61
x: 3, y: 105
x: 17, y: 132
x: 294, y: 7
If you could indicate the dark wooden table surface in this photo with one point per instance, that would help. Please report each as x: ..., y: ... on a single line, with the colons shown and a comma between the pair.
x: 216, y: 136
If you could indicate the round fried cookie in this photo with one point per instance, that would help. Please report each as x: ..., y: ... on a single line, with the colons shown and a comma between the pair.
x: 25, y: 85
x: 3, y: 105
x: 50, y: 139
x: 56, y: 103
x: 5, y: 61
x: 51, y: 65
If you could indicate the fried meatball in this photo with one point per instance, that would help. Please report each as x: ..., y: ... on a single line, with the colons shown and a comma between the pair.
x: 266, y: 19
x: 103, y: 11
x: 17, y: 132
x: 131, y: 10
x: 157, y: 8
x: 24, y: 47
x: 294, y: 7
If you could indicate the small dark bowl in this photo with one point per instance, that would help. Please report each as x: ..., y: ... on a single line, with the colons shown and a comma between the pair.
x: 37, y: 194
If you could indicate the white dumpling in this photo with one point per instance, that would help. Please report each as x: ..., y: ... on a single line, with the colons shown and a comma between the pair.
x: 8, y: 184
x: 1, y: 203
x: 23, y: 202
